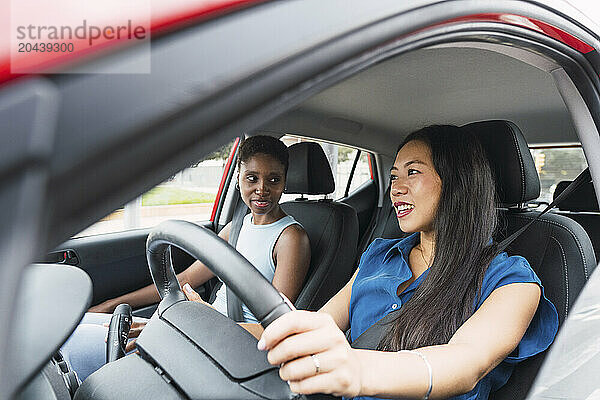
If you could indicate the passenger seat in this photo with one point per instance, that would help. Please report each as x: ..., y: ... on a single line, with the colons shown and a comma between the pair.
x: 332, y: 226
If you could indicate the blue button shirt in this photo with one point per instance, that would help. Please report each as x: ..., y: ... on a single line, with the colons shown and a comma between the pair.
x: 384, y: 266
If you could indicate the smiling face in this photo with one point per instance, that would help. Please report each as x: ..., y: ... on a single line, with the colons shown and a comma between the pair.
x: 415, y: 187
x: 262, y: 180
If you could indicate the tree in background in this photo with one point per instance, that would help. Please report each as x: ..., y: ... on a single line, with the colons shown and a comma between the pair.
x: 220, y: 154
x: 344, y: 153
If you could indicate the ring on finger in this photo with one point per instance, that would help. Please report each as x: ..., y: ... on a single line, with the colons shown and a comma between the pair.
x: 316, y: 362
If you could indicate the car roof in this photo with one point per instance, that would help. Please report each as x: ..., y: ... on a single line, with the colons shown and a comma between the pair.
x: 436, y: 85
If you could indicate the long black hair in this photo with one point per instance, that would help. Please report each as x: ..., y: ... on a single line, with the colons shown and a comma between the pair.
x: 464, y: 223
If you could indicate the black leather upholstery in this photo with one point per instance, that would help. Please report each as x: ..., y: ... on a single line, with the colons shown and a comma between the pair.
x: 332, y: 226
x: 558, y: 249
x: 514, y: 170
x: 582, y: 207
x: 591, y: 223
x: 309, y: 171
x: 582, y: 199
x: 560, y: 252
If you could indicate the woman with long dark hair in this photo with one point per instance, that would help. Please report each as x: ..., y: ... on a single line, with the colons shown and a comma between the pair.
x: 467, y: 313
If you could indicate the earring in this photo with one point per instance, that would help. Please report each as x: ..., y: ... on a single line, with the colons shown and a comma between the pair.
x: 237, y: 185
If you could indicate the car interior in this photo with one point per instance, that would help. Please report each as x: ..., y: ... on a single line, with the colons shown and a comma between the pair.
x: 513, y: 99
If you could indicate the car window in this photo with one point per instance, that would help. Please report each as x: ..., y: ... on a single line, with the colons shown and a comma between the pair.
x: 341, y: 159
x: 555, y: 164
x: 189, y: 195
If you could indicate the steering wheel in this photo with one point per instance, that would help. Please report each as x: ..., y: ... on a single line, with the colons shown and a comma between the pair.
x: 224, y: 354
x: 221, y: 258
x: 188, y: 350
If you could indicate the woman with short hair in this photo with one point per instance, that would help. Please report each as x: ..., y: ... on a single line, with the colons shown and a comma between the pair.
x: 271, y: 240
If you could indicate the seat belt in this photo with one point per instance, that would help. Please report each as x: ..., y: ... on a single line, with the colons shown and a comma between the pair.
x: 234, y: 305
x: 370, y: 339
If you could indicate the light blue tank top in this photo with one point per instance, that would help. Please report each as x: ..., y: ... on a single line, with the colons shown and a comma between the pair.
x: 256, y: 243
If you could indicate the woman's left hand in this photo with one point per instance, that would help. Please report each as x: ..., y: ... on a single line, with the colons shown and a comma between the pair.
x: 313, y: 354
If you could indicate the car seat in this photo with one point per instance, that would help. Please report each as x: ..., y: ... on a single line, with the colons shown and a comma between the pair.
x: 558, y: 248
x: 332, y: 226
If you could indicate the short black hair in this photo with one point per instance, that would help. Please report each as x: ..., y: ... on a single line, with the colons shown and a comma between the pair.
x: 262, y: 144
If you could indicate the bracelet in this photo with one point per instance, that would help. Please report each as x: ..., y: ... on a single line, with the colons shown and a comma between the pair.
x: 429, y: 370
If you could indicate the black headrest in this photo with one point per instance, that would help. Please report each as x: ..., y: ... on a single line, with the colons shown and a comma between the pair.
x: 582, y: 199
x: 309, y: 171
x: 517, y: 180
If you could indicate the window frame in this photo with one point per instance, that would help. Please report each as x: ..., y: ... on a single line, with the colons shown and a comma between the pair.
x: 550, y: 146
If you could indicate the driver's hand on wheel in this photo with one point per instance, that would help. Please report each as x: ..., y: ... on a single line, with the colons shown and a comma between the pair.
x: 313, y: 354
x: 192, y: 295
